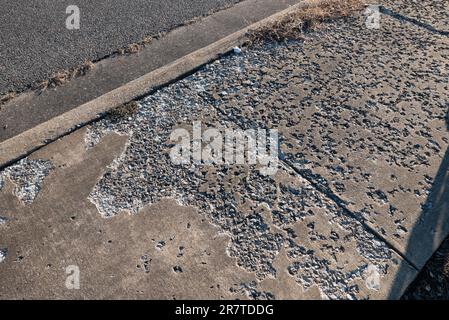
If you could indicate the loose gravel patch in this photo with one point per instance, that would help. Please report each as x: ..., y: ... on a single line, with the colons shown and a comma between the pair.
x: 27, y: 176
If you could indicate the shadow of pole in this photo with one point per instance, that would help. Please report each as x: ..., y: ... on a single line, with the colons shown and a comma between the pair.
x: 432, y: 226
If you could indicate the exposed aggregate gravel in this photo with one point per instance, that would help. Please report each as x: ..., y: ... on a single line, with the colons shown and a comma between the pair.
x: 27, y: 176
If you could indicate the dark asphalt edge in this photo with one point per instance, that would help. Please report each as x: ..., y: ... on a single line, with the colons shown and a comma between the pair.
x: 36, y: 86
x: 28, y: 142
x: 30, y: 109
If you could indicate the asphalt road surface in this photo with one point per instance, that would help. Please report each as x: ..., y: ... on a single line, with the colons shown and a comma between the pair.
x: 35, y: 43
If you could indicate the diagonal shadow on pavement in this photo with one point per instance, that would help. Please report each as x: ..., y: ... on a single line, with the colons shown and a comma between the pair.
x: 431, y: 227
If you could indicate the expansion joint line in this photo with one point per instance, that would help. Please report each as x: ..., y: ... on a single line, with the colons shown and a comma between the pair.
x: 414, y: 21
x: 308, y: 175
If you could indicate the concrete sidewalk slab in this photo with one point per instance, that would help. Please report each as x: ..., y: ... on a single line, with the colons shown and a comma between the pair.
x: 227, y: 232
x: 363, y: 114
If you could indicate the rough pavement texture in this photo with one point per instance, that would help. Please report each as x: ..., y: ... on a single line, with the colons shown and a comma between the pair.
x: 252, y: 208
x: 28, y: 176
x: 34, y: 42
x: 431, y: 14
x: 361, y: 115
x: 368, y: 125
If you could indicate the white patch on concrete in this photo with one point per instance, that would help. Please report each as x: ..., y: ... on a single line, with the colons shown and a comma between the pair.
x: 27, y: 175
x: 3, y: 254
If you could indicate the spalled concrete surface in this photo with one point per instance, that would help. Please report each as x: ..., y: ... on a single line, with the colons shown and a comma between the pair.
x: 35, y: 42
x: 364, y: 119
x: 278, y: 237
x: 361, y: 180
x: 433, y: 14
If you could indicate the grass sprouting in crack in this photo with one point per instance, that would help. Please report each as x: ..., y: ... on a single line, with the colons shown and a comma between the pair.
x: 295, y: 24
x: 125, y: 110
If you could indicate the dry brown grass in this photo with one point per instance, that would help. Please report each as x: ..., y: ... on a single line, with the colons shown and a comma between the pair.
x: 57, y: 79
x: 134, y: 47
x: 7, y: 97
x: 62, y: 77
x: 294, y: 25
x: 124, y: 110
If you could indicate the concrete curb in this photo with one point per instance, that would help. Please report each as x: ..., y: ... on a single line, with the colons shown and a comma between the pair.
x: 22, y: 145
